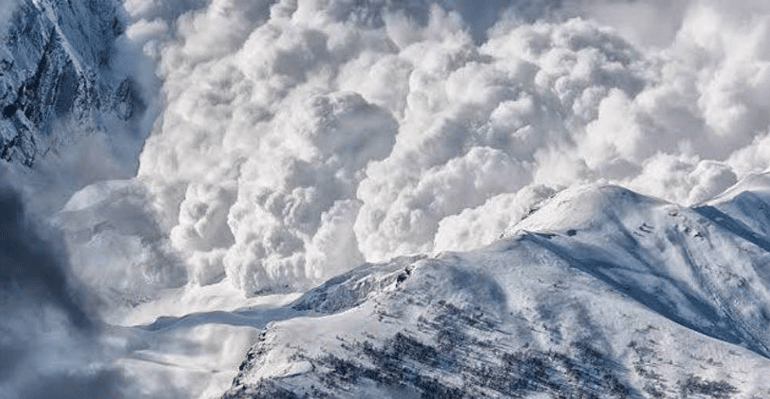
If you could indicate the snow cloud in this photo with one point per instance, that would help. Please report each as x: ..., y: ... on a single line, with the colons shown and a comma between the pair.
x: 299, y: 138
x: 293, y: 140
x: 43, y: 318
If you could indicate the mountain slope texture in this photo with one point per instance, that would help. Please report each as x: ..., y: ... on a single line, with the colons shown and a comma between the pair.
x: 601, y: 293
x: 56, y: 76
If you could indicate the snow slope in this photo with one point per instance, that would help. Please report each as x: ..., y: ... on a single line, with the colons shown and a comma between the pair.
x: 602, y: 292
x: 60, y: 85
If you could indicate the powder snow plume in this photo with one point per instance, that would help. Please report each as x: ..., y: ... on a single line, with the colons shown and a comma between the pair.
x: 300, y: 138
x: 290, y: 141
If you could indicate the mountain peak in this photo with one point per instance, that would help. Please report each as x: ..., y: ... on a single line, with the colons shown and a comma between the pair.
x: 586, y: 207
x: 602, y: 291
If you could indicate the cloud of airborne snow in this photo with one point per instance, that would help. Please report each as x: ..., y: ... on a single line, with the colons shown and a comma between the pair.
x: 48, y: 342
x: 302, y: 137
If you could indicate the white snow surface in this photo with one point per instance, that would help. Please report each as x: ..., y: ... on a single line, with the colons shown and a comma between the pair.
x: 664, y: 298
x: 485, y: 149
x: 669, y: 300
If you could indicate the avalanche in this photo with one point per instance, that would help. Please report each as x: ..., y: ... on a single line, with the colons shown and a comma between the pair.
x: 383, y: 198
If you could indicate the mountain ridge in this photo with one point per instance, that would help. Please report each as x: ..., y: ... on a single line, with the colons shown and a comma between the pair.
x: 577, y: 305
x: 55, y: 69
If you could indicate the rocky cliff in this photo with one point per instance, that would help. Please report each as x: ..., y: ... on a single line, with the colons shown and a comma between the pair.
x: 56, y: 75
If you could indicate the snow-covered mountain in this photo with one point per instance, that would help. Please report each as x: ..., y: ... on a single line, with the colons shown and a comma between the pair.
x: 57, y: 77
x: 350, y: 199
x: 600, y: 293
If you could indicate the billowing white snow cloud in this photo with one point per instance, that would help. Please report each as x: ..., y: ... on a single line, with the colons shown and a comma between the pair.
x: 300, y: 138
x: 297, y: 139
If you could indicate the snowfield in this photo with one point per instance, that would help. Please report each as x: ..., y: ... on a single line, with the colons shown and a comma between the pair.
x: 602, y: 293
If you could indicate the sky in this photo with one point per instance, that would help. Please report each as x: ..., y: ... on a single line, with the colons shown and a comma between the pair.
x: 290, y: 141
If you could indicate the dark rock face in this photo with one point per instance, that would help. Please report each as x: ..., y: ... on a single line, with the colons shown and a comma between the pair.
x: 456, y: 367
x: 54, y: 69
